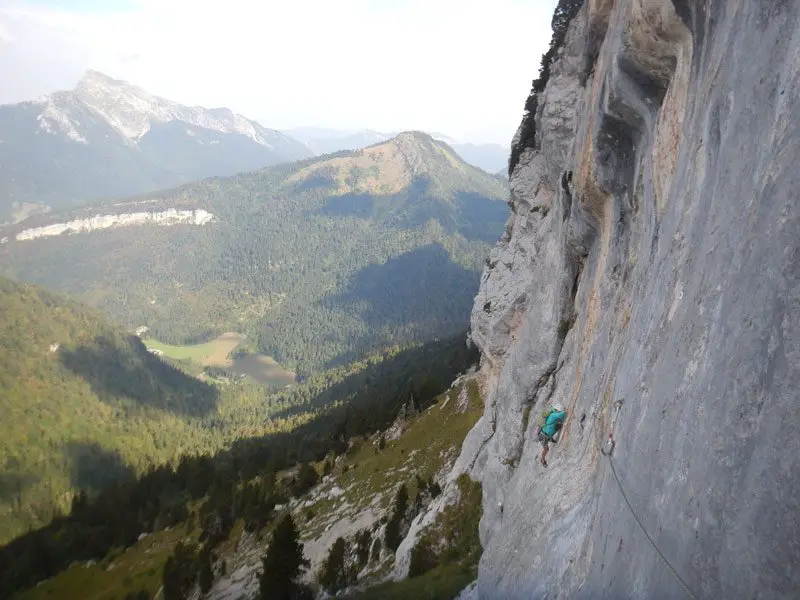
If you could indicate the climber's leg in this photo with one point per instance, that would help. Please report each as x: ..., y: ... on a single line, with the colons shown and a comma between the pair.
x: 545, y: 449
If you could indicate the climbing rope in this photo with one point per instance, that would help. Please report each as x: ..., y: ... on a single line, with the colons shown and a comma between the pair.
x: 608, y: 451
x: 647, y: 535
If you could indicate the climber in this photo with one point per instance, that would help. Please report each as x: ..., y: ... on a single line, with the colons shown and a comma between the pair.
x: 550, y: 423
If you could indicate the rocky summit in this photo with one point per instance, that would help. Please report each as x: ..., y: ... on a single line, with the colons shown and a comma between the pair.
x: 648, y: 280
x: 60, y: 150
x: 487, y: 156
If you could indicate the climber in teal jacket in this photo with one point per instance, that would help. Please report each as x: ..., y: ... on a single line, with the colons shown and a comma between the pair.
x: 552, y: 423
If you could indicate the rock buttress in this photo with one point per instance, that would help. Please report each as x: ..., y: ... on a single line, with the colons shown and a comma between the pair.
x: 653, y: 256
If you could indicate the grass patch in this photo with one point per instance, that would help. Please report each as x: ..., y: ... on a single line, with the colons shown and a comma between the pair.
x: 219, y: 353
x: 442, y: 583
x: 369, y: 476
x: 453, y: 539
x: 564, y: 325
x: 422, y: 449
x: 213, y: 353
x: 526, y: 417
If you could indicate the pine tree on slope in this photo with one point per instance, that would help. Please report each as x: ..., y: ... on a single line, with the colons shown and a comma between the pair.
x: 283, y: 564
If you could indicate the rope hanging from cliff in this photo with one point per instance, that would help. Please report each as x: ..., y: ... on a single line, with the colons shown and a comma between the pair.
x: 647, y: 535
x: 607, y: 452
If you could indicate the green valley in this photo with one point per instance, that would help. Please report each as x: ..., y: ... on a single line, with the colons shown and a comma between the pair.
x: 214, y: 352
x: 85, y: 405
x: 89, y: 409
x: 318, y: 262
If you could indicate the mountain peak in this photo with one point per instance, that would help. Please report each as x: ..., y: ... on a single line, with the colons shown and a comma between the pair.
x: 419, y: 138
x: 488, y: 156
x: 92, y: 77
x: 391, y: 166
x: 223, y: 113
x: 127, y: 108
x: 420, y: 148
x: 414, y: 134
x: 95, y: 82
x: 133, y: 111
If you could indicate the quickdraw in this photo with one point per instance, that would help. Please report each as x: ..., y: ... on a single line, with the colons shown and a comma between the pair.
x: 608, y: 447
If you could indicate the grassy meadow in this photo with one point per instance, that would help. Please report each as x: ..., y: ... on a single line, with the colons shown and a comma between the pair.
x: 219, y: 353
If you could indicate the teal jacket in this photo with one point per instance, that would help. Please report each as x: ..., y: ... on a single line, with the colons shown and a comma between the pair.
x: 553, y: 419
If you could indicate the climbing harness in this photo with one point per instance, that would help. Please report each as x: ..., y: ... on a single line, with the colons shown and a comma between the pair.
x: 607, y: 450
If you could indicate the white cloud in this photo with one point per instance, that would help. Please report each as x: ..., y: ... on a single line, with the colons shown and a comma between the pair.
x: 5, y: 35
x: 463, y: 67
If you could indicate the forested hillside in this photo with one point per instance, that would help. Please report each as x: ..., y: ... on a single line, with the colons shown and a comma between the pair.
x: 329, y: 409
x: 85, y: 405
x: 319, y: 262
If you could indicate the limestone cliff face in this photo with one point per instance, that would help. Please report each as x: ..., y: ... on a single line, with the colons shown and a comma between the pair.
x: 653, y: 256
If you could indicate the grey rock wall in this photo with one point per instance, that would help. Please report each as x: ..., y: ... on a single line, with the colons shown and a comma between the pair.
x: 659, y: 211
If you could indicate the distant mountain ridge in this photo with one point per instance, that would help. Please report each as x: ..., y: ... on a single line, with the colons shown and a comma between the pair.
x: 108, y: 138
x: 489, y: 157
x: 318, y: 261
x: 326, y: 141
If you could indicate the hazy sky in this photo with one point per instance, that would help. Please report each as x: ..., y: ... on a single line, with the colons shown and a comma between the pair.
x: 459, y: 67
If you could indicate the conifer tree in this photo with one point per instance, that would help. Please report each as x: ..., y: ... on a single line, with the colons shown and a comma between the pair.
x: 333, y: 575
x: 392, y: 533
x: 206, y: 571
x: 283, y: 564
x: 180, y: 572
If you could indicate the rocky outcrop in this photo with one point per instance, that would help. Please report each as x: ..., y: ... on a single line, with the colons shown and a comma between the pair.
x: 653, y: 257
x: 164, y: 218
